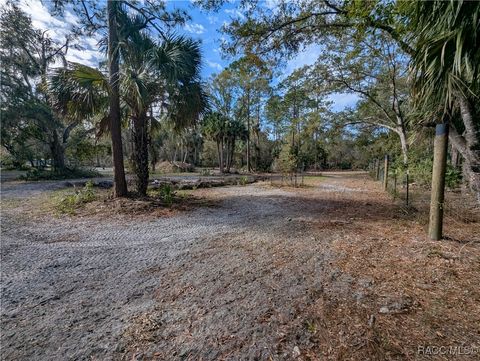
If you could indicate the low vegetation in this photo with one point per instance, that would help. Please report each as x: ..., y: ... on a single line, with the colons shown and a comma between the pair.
x: 44, y: 174
x: 71, y: 202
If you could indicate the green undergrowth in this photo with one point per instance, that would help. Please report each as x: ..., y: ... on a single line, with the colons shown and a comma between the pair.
x: 69, y: 203
x: 44, y: 174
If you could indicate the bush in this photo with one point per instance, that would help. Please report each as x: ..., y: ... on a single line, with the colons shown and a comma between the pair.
x: 7, y: 162
x: 243, y: 180
x: 421, y: 173
x: 287, y: 160
x: 453, y: 177
x: 43, y: 174
x: 205, y: 172
x: 69, y: 203
x: 167, y: 194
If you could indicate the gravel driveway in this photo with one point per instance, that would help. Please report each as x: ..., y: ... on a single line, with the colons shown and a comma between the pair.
x: 228, y: 282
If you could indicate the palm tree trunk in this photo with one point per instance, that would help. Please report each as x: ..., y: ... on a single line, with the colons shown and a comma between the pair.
x: 232, y: 152
x: 467, y: 146
x: 248, y: 132
x: 115, y: 123
x: 222, y: 160
x: 140, y: 156
x: 58, y: 152
x: 471, y: 165
x: 220, y: 155
x: 227, y: 155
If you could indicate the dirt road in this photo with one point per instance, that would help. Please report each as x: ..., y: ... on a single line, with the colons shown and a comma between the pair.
x: 239, y: 281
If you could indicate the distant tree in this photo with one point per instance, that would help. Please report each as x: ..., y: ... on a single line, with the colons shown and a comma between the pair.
x: 27, y: 55
x: 376, y: 70
x: 214, y: 126
x: 235, y: 130
x: 252, y: 76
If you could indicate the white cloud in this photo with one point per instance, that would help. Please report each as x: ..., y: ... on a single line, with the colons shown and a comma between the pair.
x: 272, y: 4
x: 214, y: 65
x: 343, y: 100
x: 86, y: 57
x: 195, y: 28
x: 235, y: 13
x: 212, y: 19
x: 306, y: 57
x: 58, y: 29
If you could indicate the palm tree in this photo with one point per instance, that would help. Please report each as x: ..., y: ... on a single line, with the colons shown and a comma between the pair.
x: 162, y: 76
x: 114, y: 100
x: 214, y: 126
x: 447, y: 69
x: 150, y: 72
x: 235, y: 129
x: 224, y: 131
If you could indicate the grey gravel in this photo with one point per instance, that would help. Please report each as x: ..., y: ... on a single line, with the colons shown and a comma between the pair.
x: 227, y: 282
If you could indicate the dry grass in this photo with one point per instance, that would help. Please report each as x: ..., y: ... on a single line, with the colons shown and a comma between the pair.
x: 386, y: 289
x: 390, y: 290
x: 440, y: 279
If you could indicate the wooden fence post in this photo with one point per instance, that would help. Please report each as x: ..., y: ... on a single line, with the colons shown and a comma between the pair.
x: 407, y: 197
x: 385, y: 173
x: 438, y: 182
x: 395, y: 184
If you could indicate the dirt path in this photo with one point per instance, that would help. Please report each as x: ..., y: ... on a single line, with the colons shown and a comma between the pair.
x: 239, y: 281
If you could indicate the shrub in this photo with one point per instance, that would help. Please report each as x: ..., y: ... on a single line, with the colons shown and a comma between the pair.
x: 205, y: 172
x: 287, y: 160
x: 70, y: 202
x: 167, y: 194
x: 243, y: 180
x: 43, y: 174
x: 453, y: 177
x: 421, y: 173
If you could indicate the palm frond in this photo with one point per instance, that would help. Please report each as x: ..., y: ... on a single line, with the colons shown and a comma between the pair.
x: 447, y: 62
x: 177, y: 58
x: 78, y: 91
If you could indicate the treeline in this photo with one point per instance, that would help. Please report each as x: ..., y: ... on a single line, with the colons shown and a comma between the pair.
x: 411, y: 65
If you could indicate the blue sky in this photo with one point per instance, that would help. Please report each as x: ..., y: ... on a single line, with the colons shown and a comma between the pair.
x: 204, y: 26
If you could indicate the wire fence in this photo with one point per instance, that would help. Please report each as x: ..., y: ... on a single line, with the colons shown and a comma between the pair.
x: 460, y: 207
x: 295, y: 179
x: 398, y: 182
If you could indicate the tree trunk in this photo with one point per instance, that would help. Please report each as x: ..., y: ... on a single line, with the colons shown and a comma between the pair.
x: 222, y: 160
x: 403, y: 142
x: 220, y: 156
x: 471, y: 149
x: 58, y: 153
x: 140, y: 157
x: 248, y: 132
x: 115, y: 121
x: 153, y: 155
x: 471, y: 162
x: 455, y: 159
x: 232, y: 152
x: 227, y: 155
x: 385, y: 173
